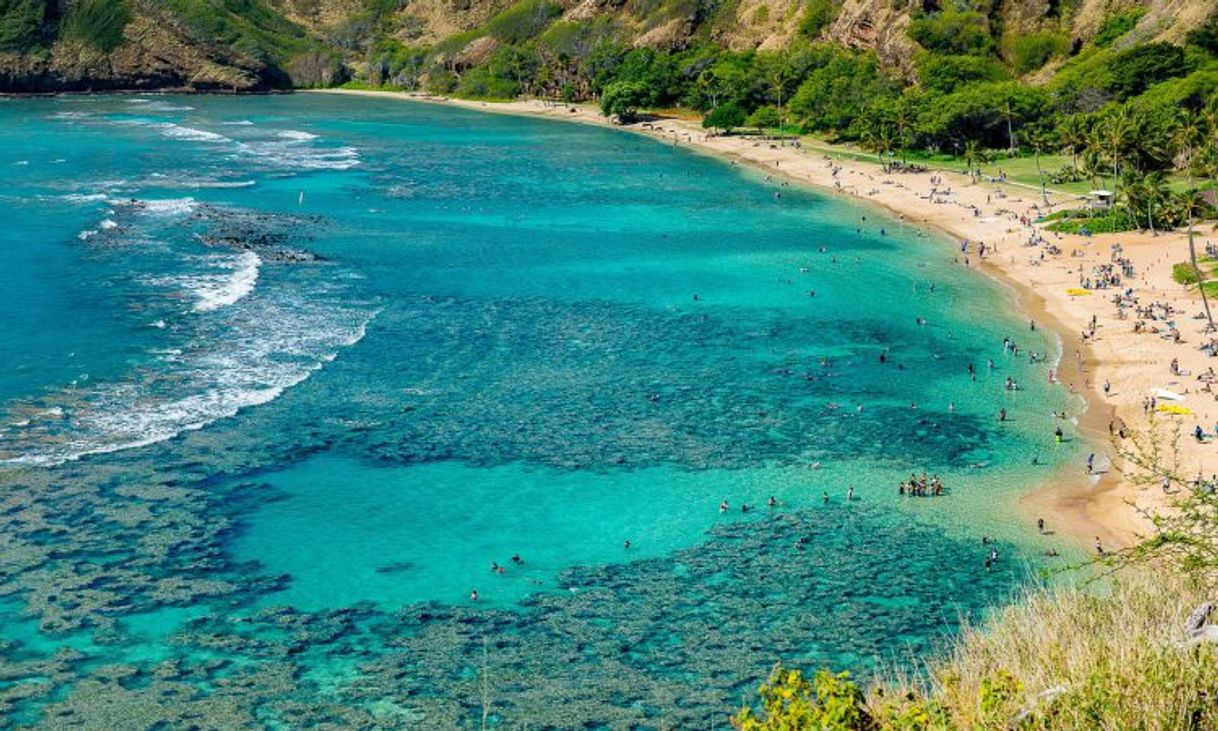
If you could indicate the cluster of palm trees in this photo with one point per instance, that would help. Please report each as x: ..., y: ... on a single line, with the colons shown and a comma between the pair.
x: 1138, y: 151
x: 1135, y: 150
x: 1139, y: 148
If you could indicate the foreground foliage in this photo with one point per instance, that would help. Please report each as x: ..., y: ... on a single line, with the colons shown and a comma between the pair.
x: 1061, y: 658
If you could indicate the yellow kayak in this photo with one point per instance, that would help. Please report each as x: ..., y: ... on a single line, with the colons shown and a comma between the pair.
x: 1077, y: 291
x: 1174, y: 409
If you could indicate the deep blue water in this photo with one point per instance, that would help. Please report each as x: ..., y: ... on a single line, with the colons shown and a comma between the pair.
x: 285, y: 375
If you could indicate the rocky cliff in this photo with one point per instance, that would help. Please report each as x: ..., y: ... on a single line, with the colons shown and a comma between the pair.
x: 249, y: 45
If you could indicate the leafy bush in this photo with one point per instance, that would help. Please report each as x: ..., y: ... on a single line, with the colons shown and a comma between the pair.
x: 948, y: 73
x: 1205, y: 37
x: 99, y: 23
x: 838, y: 86
x: 766, y: 117
x: 818, y: 15
x: 1185, y: 273
x: 790, y: 703
x: 20, y: 21
x: 523, y: 20
x: 1074, y: 222
x: 1135, y: 70
x: 622, y: 99
x: 1032, y: 51
x: 1118, y: 25
x: 953, y: 32
x: 726, y: 116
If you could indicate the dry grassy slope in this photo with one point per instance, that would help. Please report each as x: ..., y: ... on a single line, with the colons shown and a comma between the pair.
x: 1165, y: 20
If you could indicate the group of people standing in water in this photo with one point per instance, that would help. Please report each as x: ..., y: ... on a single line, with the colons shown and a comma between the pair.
x: 921, y: 487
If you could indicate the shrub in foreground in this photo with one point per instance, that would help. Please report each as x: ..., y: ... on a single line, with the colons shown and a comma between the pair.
x: 1063, y: 658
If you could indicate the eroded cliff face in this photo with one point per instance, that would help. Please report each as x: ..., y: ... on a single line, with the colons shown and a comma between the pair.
x: 882, y: 25
x: 156, y: 53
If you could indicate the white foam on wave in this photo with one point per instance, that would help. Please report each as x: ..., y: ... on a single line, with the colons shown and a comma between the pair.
x: 158, y: 207
x: 223, y: 184
x: 177, y: 131
x: 272, y: 350
x: 239, y: 123
x: 221, y: 290
x: 299, y: 153
x: 107, y: 224
x: 294, y: 134
x: 84, y: 197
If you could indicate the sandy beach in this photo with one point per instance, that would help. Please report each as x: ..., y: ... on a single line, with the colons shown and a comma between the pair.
x: 1047, y: 280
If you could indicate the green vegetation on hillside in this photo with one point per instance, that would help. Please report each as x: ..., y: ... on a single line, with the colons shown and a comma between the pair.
x: 98, y: 23
x: 20, y: 24
x: 252, y: 27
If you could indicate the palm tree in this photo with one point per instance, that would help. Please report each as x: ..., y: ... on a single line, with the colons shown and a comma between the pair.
x: 1074, y: 133
x: 1158, y: 193
x: 903, y: 116
x: 1193, y: 204
x: 1187, y: 137
x: 876, y: 135
x: 1134, y: 191
x: 1114, y: 133
x: 974, y: 154
x: 1009, y: 116
x: 1039, y: 139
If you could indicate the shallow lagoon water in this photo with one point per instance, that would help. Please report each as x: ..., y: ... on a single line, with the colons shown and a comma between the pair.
x: 288, y: 374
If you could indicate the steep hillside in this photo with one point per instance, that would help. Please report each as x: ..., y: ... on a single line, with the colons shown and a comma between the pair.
x: 532, y: 46
x: 207, y: 45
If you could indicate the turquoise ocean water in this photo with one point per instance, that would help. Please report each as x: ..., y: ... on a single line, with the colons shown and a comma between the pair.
x: 285, y: 375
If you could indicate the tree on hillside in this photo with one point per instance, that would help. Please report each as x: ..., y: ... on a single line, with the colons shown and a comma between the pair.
x: 20, y: 21
x: 623, y: 99
x: 726, y: 116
